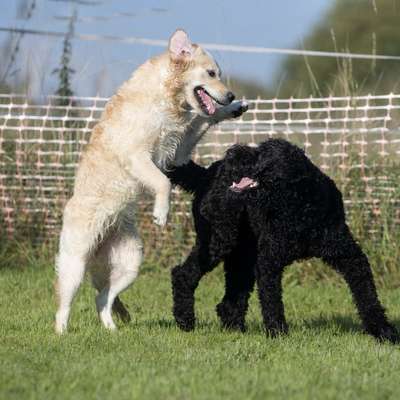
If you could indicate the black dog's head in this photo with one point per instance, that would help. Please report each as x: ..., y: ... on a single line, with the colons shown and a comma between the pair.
x: 246, y: 171
x: 239, y: 165
x: 256, y: 168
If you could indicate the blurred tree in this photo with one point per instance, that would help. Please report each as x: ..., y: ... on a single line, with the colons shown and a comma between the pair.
x: 65, y: 71
x: 357, y: 26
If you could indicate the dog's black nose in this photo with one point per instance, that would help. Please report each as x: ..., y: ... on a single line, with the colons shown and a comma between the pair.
x: 230, y: 97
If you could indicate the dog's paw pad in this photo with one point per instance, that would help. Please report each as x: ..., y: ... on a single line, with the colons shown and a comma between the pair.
x: 240, y: 108
x: 245, y: 106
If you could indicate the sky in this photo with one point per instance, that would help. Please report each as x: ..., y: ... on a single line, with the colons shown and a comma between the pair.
x: 102, y: 66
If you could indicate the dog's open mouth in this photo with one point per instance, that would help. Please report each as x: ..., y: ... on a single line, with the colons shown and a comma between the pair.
x: 244, y: 184
x: 206, y: 101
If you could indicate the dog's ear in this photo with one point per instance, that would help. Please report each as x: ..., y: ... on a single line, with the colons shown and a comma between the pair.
x: 180, y: 46
x: 241, y: 154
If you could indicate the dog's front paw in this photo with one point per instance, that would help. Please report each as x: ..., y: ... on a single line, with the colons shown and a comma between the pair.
x: 185, y: 324
x: 387, y: 333
x: 183, y: 299
x: 276, y: 329
x: 238, y: 108
x: 231, y: 317
x: 160, y: 214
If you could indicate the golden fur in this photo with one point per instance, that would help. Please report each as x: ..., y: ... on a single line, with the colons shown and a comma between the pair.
x: 153, y: 120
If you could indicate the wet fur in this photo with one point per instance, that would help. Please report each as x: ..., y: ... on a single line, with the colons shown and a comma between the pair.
x: 151, y: 122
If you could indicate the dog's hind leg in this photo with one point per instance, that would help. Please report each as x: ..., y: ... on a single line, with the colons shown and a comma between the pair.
x: 239, y: 283
x: 70, y: 268
x: 185, y: 279
x: 340, y: 250
x: 269, y: 271
x: 124, y: 257
x: 100, y: 279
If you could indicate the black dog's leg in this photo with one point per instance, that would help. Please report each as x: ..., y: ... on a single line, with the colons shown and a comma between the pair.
x: 239, y: 282
x: 185, y: 279
x: 270, y: 295
x: 346, y: 257
x: 269, y: 272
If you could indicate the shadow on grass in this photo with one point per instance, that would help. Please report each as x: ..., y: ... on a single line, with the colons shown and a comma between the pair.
x: 341, y: 324
x: 158, y: 323
x: 165, y: 323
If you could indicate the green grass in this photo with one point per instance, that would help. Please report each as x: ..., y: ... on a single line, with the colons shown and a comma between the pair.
x: 325, y: 356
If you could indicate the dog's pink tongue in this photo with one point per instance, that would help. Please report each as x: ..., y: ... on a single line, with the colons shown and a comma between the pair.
x: 244, y: 183
x: 207, y: 100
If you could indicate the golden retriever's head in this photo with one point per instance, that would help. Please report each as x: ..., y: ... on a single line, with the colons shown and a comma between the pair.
x: 199, y: 76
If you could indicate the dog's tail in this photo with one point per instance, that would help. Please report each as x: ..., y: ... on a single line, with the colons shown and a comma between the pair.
x: 189, y: 176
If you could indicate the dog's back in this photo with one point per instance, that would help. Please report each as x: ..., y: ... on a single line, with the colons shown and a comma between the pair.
x: 292, y: 188
x: 291, y: 193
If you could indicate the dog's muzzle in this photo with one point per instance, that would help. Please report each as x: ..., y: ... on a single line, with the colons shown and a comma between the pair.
x: 245, y: 183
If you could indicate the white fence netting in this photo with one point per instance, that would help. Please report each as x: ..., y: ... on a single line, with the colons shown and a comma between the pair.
x: 356, y: 140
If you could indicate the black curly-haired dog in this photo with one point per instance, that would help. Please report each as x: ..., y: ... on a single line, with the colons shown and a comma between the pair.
x: 258, y: 210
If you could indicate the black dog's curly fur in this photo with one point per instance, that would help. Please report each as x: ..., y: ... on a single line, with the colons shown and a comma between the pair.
x: 296, y: 212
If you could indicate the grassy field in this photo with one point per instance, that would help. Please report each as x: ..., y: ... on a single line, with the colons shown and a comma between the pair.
x: 325, y: 356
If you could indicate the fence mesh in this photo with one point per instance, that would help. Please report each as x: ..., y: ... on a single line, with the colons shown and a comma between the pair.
x: 356, y: 140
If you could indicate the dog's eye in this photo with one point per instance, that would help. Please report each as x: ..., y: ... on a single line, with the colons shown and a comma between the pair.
x: 211, y: 73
